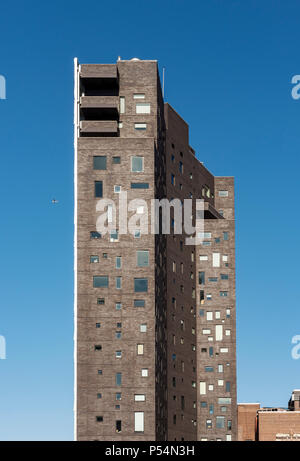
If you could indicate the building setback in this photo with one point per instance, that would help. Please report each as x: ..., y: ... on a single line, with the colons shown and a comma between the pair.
x: 154, y: 317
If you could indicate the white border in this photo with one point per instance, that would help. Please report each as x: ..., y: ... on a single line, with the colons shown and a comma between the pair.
x: 76, y: 108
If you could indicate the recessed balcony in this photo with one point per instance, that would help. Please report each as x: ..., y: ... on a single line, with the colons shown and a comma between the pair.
x: 95, y: 128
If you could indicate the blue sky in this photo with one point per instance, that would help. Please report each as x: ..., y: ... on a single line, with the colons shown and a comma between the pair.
x: 229, y: 66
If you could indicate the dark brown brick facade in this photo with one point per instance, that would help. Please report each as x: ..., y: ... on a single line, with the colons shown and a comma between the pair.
x: 177, y: 354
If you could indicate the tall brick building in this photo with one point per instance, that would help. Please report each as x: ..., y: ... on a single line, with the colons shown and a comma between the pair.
x: 154, y: 316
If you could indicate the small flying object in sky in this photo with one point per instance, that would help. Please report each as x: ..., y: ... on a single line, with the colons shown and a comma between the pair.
x: 54, y: 201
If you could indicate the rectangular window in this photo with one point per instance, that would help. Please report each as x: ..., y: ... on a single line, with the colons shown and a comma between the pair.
x: 229, y: 425
x: 118, y: 426
x: 137, y: 164
x: 143, y: 328
x: 100, y: 281
x: 206, y: 331
x: 122, y: 105
x: 203, y: 258
x: 212, y: 279
x: 118, y: 283
x: 140, y: 285
x: 142, y: 108
x: 98, y: 189
x: 220, y: 422
x: 224, y: 277
x: 99, y: 162
x: 201, y: 278
x: 100, y: 301
x: 140, y: 349
x: 140, y: 126
x: 118, y: 262
x: 209, y: 369
x: 224, y: 294
x: 228, y: 313
x: 114, y: 235
x: 224, y: 401
x: 225, y: 235
x: 139, y: 303
x: 138, y: 421
x: 216, y: 259
x: 219, y: 332
x: 202, y: 387
x: 225, y: 258
x: 224, y: 350
x: 139, y: 185
x: 223, y: 193
x: 99, y: 419
x: 116, y: 160
x: 220, y: 368
x: 95, y: 235
x: 118, y: 379
x: 139, y: 96
x: 208, y: 424
x: 211, y: 409
x: 139, y: 398
x: 227, y: 386
x: 94, y: 259
x: 142, y: 258
x: 209, y: 315
x: 118, y: 354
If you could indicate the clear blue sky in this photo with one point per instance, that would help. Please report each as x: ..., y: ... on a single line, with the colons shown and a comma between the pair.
x: 228, y: 70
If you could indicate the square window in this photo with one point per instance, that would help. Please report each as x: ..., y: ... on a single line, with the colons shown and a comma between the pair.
x: 100, y: 301
x: 137, y: 234
x: 137, y: 164
x: 118, y: 306
x: 140, y: 285
x: 98, y: 325
x: 118, y: 354
x: 99, y: 396
x: 104, y: 255
x: 99, y: 162
x: 116, y: 160
x: 118, y: 396
x: 117, y: 189
x: 94, y: 259
x: 99, y: 419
